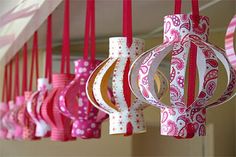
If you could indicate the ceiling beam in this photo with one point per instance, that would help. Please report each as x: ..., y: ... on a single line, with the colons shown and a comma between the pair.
x: 24, y: 27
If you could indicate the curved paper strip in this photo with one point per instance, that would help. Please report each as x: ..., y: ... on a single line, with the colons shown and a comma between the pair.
x: 229, y: 42
x: 34, y: 108
x: 160, y: 79
x: 3, y: 111
x: 60, y: 125
x: 125, y: 115
x: 75, y: 104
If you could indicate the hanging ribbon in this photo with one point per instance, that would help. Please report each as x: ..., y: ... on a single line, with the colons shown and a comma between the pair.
x: 195, y: 10
x: 9, y: 95
x: 48, y: 66
x: 89, y: 35
x: 25, y: 78
x: 5, y: 84
x: 127, y: 21
x: 34, y: 60
x: 16, y: 88
x: 193, y: 51
x: 65, y: 60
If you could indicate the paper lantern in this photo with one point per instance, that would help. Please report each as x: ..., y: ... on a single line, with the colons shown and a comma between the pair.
x: 34, y: 108
x: 3, y: 111
x: 74, y: 103
x: 229, y: 42
x: 124, y: 116
x: 180, y: 37
x: 60, y: 125
x: 4, y: 108
x: 15, y: 129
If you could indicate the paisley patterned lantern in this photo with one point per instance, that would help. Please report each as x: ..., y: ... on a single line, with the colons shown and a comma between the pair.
x: 36, y: 100
x: 60, y: 125
x: 73, y: 100
x: 185, y: 35
x: 125, y: 113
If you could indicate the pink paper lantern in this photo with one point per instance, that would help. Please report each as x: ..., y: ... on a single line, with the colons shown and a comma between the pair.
x: 34, y: 108
x: 3, y: 111
x: 86, y: 118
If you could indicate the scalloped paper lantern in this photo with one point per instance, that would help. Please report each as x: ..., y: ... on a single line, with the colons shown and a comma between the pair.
x: 86, y: 118
x: 181, y: 38
x: 3, y: 111
x: 34, y: 108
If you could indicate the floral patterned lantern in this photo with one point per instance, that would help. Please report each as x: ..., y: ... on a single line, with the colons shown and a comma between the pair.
x: 185, y: 35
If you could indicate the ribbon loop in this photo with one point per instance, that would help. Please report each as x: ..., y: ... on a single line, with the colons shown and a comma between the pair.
x: 5, y: 84
x: 16, y: 89
x: 195, y: 10
x: 9, y: 94
x: 48, y: 61
x: 34, y: 61
x: 65, y: 61
x: 127, y: 21
x: 89, y: 36
x: 25, y: 62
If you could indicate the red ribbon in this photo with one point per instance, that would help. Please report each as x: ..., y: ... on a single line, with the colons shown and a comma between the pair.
x: 192, y: 61
x: 90, y: 30
x: 129, y: 129
x: 9, y: 94
x: 34, y: 60
x: 127, y: 21
x: 16, y: 88
x: 24, y: 77
x: 5, y: 85
x: 90, y: 34
x: 65, y: 61
x: 48, y: 61
x: 195, y: 10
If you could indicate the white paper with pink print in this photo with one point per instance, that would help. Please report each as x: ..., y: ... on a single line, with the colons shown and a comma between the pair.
x: 125, y: 115
x: 177, y: 119
x: 34, y: 107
